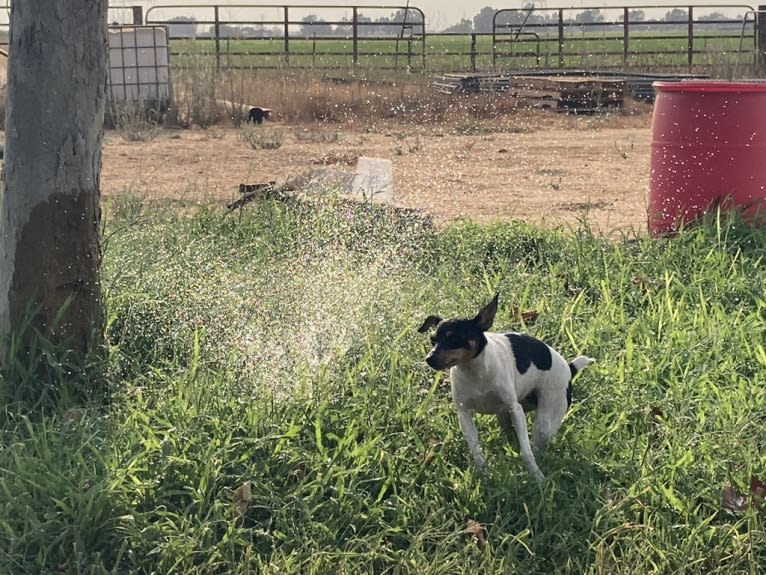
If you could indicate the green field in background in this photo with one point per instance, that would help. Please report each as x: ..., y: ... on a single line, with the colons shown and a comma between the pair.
x: 442, y: 53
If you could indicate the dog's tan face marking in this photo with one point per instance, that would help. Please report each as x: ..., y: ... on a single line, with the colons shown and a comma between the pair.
x: 447, y: 358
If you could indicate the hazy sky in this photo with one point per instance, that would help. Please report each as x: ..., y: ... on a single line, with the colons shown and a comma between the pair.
x: 439, y: 13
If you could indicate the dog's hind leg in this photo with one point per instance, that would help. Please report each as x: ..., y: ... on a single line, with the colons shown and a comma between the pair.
x: 550, y: 414
x: 519, y: 420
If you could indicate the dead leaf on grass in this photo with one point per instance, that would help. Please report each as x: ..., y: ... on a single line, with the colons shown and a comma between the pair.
x: 732, y: 501
x: 431, y: 452
x: 476, y: 531
x: 735, y: 502
x: 298, y: 472
x: 757, y: 491
x: 526, y: 316
x: 640, y: 281
x: 242, y: 497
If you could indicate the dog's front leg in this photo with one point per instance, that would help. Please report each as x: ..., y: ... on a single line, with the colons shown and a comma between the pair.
x: 471, y: 435
x: 520, y: 425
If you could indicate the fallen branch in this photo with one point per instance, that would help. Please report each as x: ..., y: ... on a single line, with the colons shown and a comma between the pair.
x: 250, y: 192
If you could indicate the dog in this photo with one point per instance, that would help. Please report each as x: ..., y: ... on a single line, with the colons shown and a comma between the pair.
x: 504, y: 374
x: 257, y: 115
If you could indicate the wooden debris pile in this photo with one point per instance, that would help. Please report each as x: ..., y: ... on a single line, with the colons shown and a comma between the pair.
x: 471, y: 83
x: 575, y: 94
x: 566, y: 93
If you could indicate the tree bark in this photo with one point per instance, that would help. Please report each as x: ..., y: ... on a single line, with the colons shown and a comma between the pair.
x: 50, y: 252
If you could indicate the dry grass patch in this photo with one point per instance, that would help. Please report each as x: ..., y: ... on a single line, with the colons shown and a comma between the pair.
x: 261, y: 139
x: 307, y: 96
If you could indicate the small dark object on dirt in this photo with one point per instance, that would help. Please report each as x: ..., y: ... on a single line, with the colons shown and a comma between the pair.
x: 250, y: 192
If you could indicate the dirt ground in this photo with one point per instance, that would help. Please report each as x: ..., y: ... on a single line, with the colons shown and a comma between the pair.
x: 537, y: 166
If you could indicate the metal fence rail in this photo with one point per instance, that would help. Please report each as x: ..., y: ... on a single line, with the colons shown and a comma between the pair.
x: 623, y: 41
x: 345, y: 36
x: 294, y: 41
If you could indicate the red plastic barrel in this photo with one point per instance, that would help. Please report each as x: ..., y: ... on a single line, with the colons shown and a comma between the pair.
x: 708, y: 150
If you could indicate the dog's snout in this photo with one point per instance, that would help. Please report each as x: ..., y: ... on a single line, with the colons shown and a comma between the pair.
x: 436, y: 361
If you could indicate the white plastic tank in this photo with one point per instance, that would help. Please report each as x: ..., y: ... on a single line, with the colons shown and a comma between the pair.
x: 139, y: 68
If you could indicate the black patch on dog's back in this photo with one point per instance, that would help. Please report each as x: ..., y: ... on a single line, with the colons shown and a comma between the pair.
x: 527, y: 351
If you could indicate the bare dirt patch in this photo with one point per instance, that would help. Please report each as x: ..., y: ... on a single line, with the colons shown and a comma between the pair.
x: 540, y: 167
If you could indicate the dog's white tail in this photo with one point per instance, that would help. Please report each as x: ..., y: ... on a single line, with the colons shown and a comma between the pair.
x: 579, y: 363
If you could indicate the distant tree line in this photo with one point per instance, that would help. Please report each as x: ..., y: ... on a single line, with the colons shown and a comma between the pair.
x: 311, y: 25
x: 315, y: 26
x: 482, y: 22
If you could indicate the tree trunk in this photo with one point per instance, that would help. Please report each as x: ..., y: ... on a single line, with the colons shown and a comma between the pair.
x: 50, y: 251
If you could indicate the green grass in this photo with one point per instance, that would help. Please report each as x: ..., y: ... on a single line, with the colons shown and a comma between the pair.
x: 278, y: 347
x: 664, y: 48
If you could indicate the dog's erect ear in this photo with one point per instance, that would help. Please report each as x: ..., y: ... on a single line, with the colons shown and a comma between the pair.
x: 486, y: 316
x: 429, y: 322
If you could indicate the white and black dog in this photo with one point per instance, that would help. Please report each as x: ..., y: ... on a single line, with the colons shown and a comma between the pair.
x: 503, y: 374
